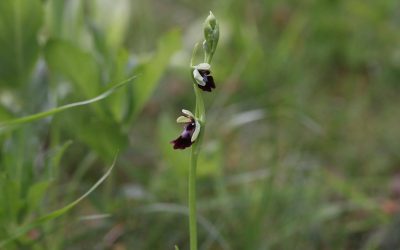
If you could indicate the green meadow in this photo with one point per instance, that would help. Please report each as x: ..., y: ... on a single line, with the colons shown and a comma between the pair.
x: 301, y: 149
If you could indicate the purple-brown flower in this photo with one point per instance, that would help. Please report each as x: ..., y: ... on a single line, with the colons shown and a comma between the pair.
x: 203, y: 77
x: 190, y: 132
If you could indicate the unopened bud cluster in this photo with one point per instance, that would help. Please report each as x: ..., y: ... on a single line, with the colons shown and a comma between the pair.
x: 211, y: 36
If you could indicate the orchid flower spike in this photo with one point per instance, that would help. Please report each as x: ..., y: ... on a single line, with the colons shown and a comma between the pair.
x: 190, y: 132
x: 202, y: 76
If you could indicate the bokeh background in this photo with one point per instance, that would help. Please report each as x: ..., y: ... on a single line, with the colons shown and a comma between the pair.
x: 302, y: 143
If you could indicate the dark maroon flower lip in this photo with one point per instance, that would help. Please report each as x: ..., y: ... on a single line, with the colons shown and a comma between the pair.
x: 208, y: 79
x: 203, y: 77
x: 185, y: 139
x: 190, y: 132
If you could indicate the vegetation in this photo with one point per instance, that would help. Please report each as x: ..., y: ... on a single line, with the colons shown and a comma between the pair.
x: 301, y: 149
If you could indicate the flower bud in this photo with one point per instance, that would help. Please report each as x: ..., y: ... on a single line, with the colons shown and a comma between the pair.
x: 211, y: 20
x: 211, y: 35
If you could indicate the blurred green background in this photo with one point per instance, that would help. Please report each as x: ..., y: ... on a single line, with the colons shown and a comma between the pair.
x: 302, y: 144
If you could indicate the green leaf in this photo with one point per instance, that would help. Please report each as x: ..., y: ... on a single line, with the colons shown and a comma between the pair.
x: 4, y: 113
x: 55, y: 15
x: 36, y: 193
x: 55, y: 214
x: 54, y: 162
x: 151, y: 72
x: 68, y: 207
x: 121, y: 103
x: 10, y: 202
x: 114, y: 21
x: 76, y: 65
x: 54, y: 111
x: 20, y: 21
x: 85, y: 128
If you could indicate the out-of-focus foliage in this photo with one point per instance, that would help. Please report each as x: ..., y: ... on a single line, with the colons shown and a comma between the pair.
x: 20, y: 22
x: 301, y: 147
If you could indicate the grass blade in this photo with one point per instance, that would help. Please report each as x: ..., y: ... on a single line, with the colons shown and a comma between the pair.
x: 55, y: 214
x: 38, y: 116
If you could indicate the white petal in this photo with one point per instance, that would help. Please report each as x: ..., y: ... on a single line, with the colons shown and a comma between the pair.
x: 203, y: 66
x: 196, y: 132
x: 199, y: 79
x: 187, y: 112
x: 183, y: 119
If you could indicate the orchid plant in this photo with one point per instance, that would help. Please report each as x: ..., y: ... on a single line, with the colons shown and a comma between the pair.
x: 195, y: 123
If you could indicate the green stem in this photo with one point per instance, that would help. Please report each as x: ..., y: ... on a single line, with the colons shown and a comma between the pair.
x: 192, y: 200
x: 200, y: 114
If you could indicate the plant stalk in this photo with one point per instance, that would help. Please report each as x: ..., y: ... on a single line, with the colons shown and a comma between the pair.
x: 200, y: 114
x: 192, y: 200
